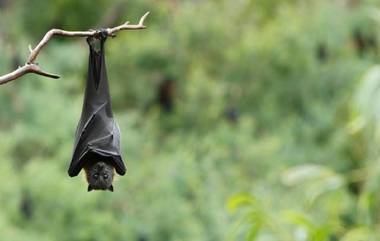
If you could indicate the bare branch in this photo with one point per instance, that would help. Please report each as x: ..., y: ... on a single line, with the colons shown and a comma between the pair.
x: 142, y: 19
x: 31, y: 67
x: 27, y: 68
x: 37, y: 70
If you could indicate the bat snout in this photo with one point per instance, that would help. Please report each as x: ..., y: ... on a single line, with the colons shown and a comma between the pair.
x: 100, y: 165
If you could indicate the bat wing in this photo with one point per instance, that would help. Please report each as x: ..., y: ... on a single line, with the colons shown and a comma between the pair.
x: 100, y: 139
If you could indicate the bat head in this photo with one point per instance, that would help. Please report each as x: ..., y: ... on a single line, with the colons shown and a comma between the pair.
x: 100, y: 176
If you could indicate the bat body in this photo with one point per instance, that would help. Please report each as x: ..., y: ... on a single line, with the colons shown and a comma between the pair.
x: 97, y: 138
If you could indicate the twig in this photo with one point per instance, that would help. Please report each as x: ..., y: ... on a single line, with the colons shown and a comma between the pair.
x: 30, y: 65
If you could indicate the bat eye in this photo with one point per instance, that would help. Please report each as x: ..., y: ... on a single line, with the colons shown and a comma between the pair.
x: 95, y: 176
x: 105, y: 176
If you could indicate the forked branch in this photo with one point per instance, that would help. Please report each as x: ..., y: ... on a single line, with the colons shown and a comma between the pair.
x: 32, y: 67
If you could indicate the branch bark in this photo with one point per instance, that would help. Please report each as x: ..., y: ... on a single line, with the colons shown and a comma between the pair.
x: 32, y: 67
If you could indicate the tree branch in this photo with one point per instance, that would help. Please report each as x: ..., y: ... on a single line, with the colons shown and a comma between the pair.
x: 30, y: 65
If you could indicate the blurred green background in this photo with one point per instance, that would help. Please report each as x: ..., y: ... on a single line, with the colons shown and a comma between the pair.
x: 241, y: 120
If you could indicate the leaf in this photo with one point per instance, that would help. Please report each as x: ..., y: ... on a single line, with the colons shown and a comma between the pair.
x: 298, y: 218
x: 308, y: 172
x: 319, y: 179
x: 253, y: 232
x: 368, y: 94
x: 240, y: 200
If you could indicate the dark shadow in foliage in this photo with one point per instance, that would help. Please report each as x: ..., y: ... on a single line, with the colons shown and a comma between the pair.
x: 322, y: 52
x: 364, y: 43
x: 232, y: 114
x: 142, y: 237
x: 26, y: 205
x: 165, y: 95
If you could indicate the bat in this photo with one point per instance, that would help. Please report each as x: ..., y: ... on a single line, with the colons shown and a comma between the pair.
x: 97, y: 138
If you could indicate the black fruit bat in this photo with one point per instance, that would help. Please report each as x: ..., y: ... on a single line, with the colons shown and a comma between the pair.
x: 97, y: 139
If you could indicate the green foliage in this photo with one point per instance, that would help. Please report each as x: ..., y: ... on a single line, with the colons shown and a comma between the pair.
x: 300, y: 163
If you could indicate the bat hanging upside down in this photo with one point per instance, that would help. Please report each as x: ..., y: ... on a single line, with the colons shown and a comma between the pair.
x: 97, y: 139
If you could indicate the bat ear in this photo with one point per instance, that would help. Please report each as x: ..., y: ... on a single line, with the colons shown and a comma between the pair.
x: 89, y: 188
x: 110, y: 188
